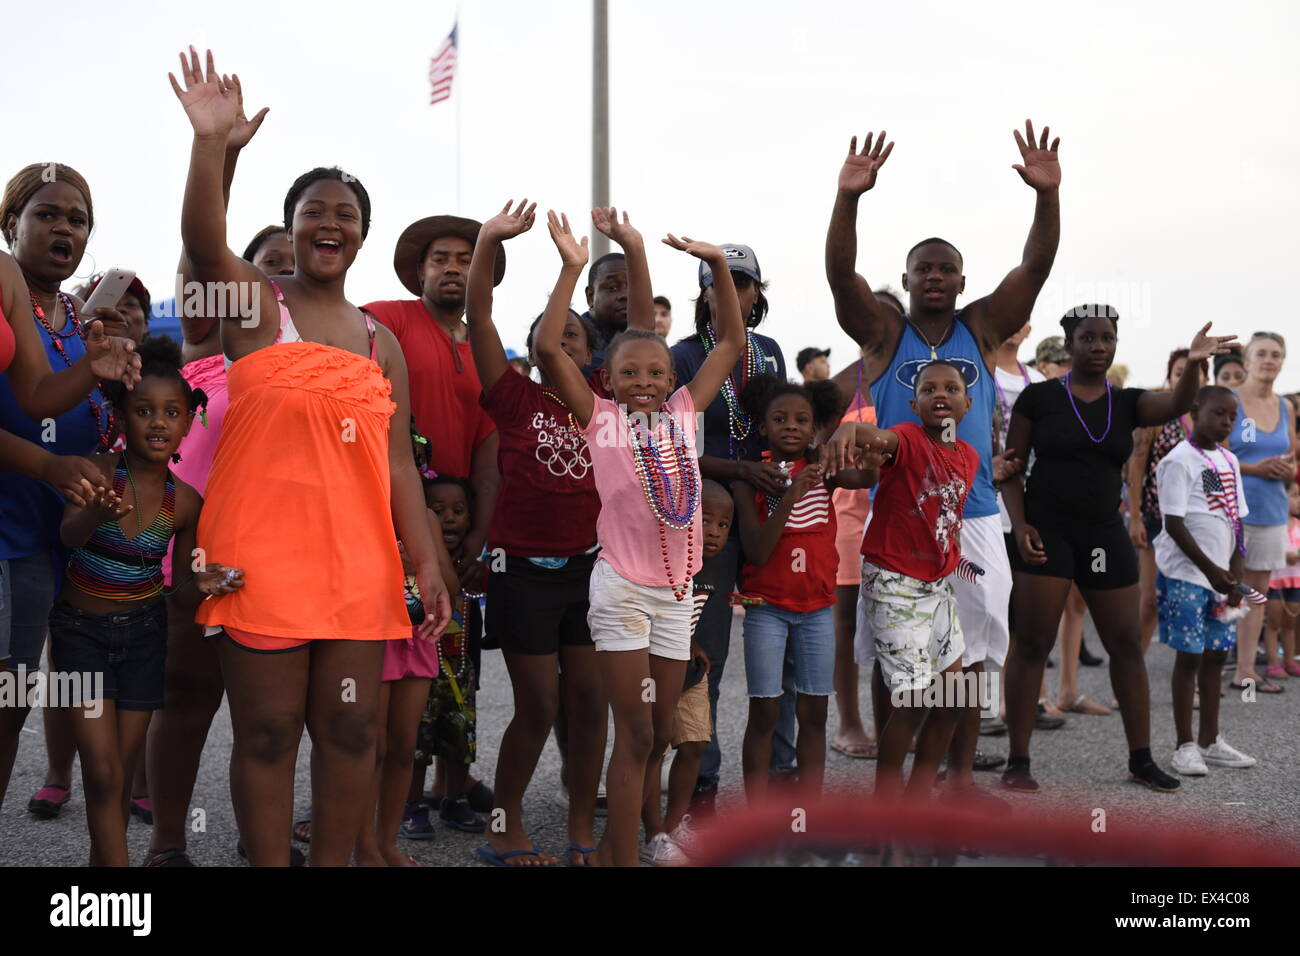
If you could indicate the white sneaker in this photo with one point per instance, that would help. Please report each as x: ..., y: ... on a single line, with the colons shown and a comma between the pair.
x: 662, y: 851
x: 1188, y: 761
x: 685, y: 835
x: 1222, y: 754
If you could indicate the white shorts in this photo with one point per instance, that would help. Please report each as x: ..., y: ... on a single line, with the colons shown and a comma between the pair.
x: 625, y: 616
x: 984, y: 607
x: 1265, y: 546
x: 913, y: 626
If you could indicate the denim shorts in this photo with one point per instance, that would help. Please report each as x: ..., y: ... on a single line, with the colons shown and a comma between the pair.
x: 810, y: 634
x: 26, y: 595
x: 129, y: 649
x: 1187, y: 619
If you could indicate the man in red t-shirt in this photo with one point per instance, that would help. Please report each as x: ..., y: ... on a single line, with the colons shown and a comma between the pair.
x: 432, y: 261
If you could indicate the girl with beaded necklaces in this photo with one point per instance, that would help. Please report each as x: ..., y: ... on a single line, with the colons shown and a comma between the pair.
x: 642, y: 448
x: 110, y: 621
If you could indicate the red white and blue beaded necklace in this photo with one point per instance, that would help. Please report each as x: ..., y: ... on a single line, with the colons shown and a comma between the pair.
x: 673, y: 494
x: 103, y: 419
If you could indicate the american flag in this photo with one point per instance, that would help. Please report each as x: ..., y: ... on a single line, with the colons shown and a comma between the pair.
x: 968, y: 570
x: 442, y: 69
x: 1220, y: 489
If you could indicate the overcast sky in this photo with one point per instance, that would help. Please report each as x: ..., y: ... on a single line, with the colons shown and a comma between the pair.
x: 728, y: 123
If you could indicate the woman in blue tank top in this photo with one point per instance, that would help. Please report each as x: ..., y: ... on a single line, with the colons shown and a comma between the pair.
x: 1263, y: 440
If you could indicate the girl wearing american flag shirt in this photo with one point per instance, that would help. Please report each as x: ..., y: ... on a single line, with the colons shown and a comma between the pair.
x: 1199, y: 560
x: 788, y: 580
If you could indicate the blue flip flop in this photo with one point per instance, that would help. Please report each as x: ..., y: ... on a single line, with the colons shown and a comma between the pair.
x: 489, y: 855
x: 574, y: 848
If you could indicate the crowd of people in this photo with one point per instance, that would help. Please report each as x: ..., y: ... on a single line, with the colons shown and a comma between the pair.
x: 600, y: 508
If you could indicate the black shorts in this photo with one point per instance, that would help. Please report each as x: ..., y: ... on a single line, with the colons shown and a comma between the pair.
x: 534, y: 610
x: 128, y: 649
x: 1096, y: 555
x: 1154, y: 527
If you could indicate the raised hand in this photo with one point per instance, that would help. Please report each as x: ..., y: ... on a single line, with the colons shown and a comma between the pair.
x: 1204, y: 345
x: 700, y: 250
x: 212, y: 108
x: 112, y: 358
x: 572, y: 251
x: 605, y: 219
x: 858, y: 174
x: 1041, y: 168
x: 507, y: 224
x: 244, y: 128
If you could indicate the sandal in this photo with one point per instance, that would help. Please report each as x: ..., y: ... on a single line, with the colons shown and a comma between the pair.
x: 168, y: 858
x: 1086, y: 705
x: 868, y: 751
x: 489, y: 855
x: 142, y: 807
x: 1293, y: 668
x: 1262, y: 686
x: 1276, y: 672
x: 582, y: 851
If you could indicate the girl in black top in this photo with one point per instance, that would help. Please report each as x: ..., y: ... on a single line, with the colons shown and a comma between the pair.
x: 1066, y: 523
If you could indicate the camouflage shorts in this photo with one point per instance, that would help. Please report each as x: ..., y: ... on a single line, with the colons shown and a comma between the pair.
x: 912, y: 625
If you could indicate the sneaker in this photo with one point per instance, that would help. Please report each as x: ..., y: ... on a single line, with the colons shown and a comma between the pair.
x: 992, y: 727
x: 1150, y: 775
x: 481, y: 798
x: 1045, y: 721
x: 660, y: 850
x: 1188, y: 761
x: 459, y: 815
x: 1222, y: 754
x: 685, y: 835
x: 985, y: 761
x: 48, y: 801
x: 416, y: 824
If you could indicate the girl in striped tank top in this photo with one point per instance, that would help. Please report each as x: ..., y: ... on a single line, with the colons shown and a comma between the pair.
x: 788, y: 580
x: 109, y: 626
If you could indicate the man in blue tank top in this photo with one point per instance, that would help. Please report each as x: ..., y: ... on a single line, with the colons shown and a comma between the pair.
x: 895, y: 347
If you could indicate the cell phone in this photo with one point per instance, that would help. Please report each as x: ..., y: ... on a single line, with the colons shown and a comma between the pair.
x: 109, y: 292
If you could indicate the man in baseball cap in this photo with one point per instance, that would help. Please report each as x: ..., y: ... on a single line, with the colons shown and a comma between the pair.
x: 1051, y: 358
x: 432, y: 261
x: 813, y: 364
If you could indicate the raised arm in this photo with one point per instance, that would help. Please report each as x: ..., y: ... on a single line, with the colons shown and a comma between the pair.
x: 426, y: 550
x: 559, y: 368
x: 865, y: 320
x: 197, y: 329
x: 1156, y: 408
x: 998, y: 316
x: 484, y: 342
x: 640, y: 300
x: 212, y: 108
x: 729, y: 327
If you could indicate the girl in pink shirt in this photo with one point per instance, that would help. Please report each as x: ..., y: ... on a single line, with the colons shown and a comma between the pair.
x: 643, y: 453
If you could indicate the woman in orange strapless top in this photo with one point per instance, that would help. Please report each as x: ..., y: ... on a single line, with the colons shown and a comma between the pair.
x: 312, y: 485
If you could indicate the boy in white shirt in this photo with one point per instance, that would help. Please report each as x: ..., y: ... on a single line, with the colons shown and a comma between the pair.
x: 1198, y: 553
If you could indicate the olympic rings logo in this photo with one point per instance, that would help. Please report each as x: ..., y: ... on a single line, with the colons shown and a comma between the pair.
x: 575, y: 464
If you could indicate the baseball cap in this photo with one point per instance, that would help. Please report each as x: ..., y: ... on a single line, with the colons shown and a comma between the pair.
x: 1051, y: 349
x: 807, y: 355
x: 739, y: 259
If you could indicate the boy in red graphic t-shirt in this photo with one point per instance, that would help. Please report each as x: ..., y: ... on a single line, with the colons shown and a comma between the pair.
x: 909, y: 550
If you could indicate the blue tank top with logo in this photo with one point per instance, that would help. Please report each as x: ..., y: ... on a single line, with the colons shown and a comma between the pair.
x: 1266, y: 502
x: 892, y: 395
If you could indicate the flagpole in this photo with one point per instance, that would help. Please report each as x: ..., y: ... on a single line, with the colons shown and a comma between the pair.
x: 457, y: 93
x: 600, y: 118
